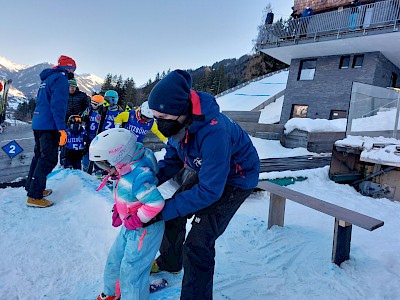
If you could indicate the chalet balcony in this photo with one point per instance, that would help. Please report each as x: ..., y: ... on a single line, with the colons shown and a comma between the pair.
x: 368, y: 28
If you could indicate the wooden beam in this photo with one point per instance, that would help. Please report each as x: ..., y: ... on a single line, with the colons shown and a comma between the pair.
x: 276, y: 214
x: 341, y: 241
x: 333, y: 210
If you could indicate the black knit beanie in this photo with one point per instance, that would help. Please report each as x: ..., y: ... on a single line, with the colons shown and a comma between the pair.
x: 172, y: 94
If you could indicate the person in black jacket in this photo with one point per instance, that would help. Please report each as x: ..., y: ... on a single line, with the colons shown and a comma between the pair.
x: 77, y: 102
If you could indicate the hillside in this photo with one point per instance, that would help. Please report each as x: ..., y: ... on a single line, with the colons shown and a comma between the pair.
x: 227, y: 73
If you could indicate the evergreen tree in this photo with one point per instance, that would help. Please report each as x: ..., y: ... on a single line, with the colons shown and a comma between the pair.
x: 220, y: 82
x: 131, y: 92
x: 119, y: 88
x: 107, y: 84
x: 25, y: 110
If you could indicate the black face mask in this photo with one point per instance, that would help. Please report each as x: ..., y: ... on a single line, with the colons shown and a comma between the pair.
x: 70, y: 75
x: 169, y: 127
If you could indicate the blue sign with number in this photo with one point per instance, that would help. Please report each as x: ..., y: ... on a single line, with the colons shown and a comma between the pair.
x: 12, y: 149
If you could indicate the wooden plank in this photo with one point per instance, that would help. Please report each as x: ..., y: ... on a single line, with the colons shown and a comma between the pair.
x: 341, y: 241
x: 276, y: 215
x: 267, y: 135
x: 325, y: 136
x: 243, y: 116
x: 257, y: 127
x: 333, y: 210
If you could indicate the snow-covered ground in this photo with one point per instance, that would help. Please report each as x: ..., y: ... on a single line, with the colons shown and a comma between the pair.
x: 60, y: 252
x: 255, y: 93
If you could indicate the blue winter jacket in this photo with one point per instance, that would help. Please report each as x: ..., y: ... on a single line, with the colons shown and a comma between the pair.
x: 218, y: 149
x: 51, y: 100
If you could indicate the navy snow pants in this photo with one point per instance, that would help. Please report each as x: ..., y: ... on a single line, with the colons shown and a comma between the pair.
x: 197, y: 253
x: 43, y: 161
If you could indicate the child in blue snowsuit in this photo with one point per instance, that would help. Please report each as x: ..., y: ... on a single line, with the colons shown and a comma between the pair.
x: 137, y: 201
x: 112, y: 110
x: 92, y: 116
x: 76, y: 146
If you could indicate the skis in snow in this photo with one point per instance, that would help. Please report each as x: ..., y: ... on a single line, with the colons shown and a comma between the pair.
x: 3, y: 105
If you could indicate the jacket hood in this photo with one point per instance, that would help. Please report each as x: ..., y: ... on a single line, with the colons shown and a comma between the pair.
x: 47, y: 72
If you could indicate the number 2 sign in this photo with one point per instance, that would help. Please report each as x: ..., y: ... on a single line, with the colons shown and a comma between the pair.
x: 12, y: 149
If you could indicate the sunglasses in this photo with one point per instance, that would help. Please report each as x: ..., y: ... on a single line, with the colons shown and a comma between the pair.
x: 104, y: 165
x: 109, y: 98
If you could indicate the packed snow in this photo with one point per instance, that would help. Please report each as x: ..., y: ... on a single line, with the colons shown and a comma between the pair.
x: 272, y: 113
x: 60, y: 252
x: 383, y: 120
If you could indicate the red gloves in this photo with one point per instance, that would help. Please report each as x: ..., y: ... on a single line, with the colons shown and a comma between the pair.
x: 116, y: 220
x: 132, y: 222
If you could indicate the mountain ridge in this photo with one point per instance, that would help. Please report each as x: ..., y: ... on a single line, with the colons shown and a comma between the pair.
x: 26, y: 81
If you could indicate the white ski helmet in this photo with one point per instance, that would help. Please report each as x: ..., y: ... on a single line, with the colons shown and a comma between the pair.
x: 145, y: 110
x: 116, y: 145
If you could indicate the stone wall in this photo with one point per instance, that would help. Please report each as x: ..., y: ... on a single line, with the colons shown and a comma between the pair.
x: 320, y: 5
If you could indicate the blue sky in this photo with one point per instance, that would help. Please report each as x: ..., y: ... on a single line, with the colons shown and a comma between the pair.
x: 132, y: 38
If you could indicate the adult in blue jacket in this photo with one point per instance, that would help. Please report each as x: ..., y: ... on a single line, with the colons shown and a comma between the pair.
x: 48, y: 126
x: 227, y: 165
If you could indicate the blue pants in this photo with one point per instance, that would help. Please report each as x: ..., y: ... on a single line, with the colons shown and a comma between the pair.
x: 85, y: 162
x: 130, y: 265
x: 353, y: 21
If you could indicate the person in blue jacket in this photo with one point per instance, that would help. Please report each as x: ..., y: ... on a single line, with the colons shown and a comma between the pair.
x: 226, y: 164
x: 48, y: 124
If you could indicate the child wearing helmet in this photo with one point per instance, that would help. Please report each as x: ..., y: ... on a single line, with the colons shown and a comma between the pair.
x: 91, y: 117
x: 137, y: 201
x: 139, y: 121
x: 112, y: 110
x: 76, y: 146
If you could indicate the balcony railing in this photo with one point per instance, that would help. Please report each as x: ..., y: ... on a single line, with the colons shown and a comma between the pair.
x: 362, y: 18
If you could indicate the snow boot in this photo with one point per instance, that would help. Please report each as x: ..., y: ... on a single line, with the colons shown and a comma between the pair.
x: 156, y: 269
x: 38, y: 202
x: 47, y: 192
x: 103, y: 296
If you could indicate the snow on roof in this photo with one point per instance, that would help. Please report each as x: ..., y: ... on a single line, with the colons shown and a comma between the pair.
x: 378, y: 150
x: 315, y: 125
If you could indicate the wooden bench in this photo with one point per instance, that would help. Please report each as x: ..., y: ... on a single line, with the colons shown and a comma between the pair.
x: 344, y: 218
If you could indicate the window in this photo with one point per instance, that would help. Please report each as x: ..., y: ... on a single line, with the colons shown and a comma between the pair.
x: 344, y: 62
x: 358, y: 61
x: 299, y: 111
x: 307, y: 69
x: 393, y: 80
x: 338, y: 114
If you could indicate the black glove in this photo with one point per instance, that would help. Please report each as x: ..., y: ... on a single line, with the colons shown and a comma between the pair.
x: 156, y: 219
